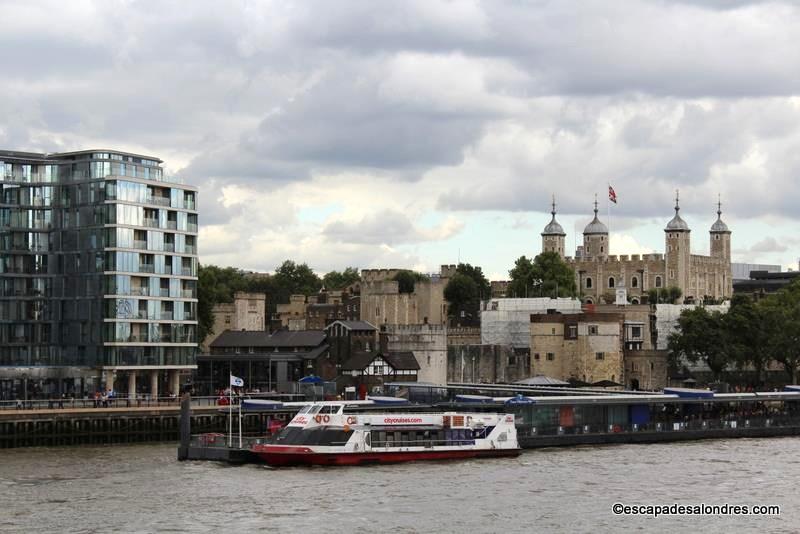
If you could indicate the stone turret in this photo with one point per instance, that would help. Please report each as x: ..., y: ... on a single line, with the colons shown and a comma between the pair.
x: 678, y: 249
x: 595, y: 237
x: 553, y: 236
x: 720, y: 237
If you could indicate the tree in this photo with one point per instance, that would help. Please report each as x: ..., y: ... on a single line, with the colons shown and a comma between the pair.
x: 407, y: 279
x: 751, y: 333
x: 294, y: 279
x: 702, y: 336
x: 782, y: 310
x: 546, y: 276
x: 476, y: 274
x: 214, y: 285
x: 341, y: 279
x: 462, y: 293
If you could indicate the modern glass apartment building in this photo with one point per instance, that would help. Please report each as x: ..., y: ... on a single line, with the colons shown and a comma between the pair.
x: 98, y: 274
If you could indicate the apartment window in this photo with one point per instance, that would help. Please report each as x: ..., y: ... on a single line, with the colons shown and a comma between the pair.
x: 588, y: 283
x: 634, y: 282
x: 611, y: 281
x: 551, y: 356
x: 536, y: 356
x: 599, y: 355
x: 512, y: 360
x: 553, y: 331
x: 672, y: 273
x: 592, y: 329
x: 658, y: 281
x: 636, y: 332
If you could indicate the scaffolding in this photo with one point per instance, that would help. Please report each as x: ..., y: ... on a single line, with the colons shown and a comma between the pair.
x: 506, y: 321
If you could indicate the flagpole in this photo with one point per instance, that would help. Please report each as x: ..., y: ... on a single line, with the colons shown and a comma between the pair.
x: 240, y: 423
x: 230, y: 409
x: 608, y: 213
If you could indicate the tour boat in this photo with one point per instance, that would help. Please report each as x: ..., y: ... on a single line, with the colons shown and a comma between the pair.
x: 324, y: 434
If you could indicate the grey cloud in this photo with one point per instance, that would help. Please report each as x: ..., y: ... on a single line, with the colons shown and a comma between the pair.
x: 389, y: 228
x: 768, y: 244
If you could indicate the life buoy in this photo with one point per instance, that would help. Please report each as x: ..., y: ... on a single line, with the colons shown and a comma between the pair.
x: 617, y: 428
x: 326, y: 418
x: 351, y: 420
x: 318, y: 418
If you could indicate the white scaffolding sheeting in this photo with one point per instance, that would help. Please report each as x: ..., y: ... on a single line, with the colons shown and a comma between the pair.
x: 508, y: 321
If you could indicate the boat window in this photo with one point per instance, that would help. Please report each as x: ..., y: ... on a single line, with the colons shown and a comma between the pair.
x: 304, y: 409
x: 315, y: 436
x: 327, y: 409
x: 367, y: 439
x: 314, y: 409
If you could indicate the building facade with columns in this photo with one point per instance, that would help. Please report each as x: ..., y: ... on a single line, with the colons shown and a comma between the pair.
x: 599, y: 275
x: 98, y: 274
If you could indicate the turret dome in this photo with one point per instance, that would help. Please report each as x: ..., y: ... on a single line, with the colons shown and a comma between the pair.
x: 677, y: 224
x: 553, y: 228
x: 719, y: 226
x: 595, y: 227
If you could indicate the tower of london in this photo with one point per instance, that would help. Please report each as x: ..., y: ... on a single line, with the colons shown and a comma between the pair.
x: 598, y: 274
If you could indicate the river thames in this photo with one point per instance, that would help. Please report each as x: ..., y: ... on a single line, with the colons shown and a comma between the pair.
x: 142, y: 488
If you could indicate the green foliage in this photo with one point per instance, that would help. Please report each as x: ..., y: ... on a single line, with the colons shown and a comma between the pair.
x: 214, y: 285
x: 217, y: 285
x: 666, y: 295
x: 341, y: 279
x: 751, y: 335
x: 462, y: 293
x: 407, y: 279
x: 477, y: 276
x: 295, y: 279
x: 702, y: 336
x: 546, y: 276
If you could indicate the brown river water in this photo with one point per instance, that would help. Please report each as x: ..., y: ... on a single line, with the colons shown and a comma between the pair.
x: 142, y: 488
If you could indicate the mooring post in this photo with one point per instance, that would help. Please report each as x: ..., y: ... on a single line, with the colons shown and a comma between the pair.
x: 185, y: 425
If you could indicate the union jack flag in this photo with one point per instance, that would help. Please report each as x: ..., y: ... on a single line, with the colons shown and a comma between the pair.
x: 612, y: 196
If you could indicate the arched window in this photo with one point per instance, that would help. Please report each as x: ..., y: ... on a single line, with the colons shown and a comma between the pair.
x: 601, y: 250
x: 658, y: 281
x: 588, y: 283
x: 635, y: 282
x: 610, y: 281
x: 589, y: 300
x: 634, y: 300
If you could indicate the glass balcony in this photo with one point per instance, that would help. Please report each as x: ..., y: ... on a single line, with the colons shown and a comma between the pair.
x: 147, y: 268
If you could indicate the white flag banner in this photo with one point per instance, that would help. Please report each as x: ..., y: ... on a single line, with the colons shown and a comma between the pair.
x: 236, y: 381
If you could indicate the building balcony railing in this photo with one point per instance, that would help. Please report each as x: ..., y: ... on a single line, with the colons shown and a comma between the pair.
x: 163, y: 292
x: 150, y: 223
x: 186, y: 271
x: 159, y: 201
x: 169, y: 247
x: 140, y: 291
x: 191, y: 227
x: 147, y: 268
x: 142, y: 245
x: 188, y: 293
x: 165, y: 315
x: 190, y: 249
x: 172, y: 225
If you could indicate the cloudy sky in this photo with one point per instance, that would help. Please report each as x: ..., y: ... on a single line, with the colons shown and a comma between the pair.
x: 414, y: 133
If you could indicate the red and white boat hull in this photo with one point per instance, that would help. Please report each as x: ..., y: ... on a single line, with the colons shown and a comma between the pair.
x: 278, y: 455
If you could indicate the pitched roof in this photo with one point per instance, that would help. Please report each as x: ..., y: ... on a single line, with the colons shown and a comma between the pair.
x: 280, y: 339
x: 400, y: 361
x: 354, y: 325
